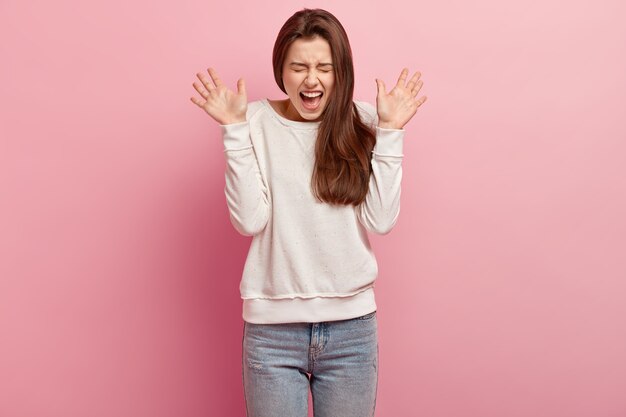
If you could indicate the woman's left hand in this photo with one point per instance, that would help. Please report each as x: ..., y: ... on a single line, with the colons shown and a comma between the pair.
x: 398, y: 106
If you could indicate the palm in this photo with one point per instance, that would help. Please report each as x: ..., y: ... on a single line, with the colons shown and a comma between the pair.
x: 398, y: 106
x: 222, y: 104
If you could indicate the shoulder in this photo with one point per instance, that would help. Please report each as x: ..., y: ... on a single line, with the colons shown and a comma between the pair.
x: 367, y: 111
x: 254, y: 108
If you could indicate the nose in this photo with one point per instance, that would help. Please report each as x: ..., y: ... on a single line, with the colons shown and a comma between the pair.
x: 311, y: 79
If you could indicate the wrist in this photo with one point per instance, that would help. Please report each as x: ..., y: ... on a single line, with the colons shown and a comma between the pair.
x: 233, y: 121
x: 386, y: 125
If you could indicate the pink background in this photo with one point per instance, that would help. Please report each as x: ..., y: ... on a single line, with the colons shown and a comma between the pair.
x: 501, y: 290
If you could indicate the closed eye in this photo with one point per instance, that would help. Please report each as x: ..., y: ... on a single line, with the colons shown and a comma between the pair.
x: 320, y: 70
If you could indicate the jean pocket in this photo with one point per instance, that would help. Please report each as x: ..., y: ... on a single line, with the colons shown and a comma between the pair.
x: 367, y: 316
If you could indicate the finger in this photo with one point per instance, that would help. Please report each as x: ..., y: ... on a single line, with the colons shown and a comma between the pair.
x: 214, y: 76
x: 241, y: 87
x: 417, y: 88
x: 413, y: 80
x: 402, y: 77
x: 205, y: 82
x: 198, y: 102
x: 380, y: 87
x: 201, y: 90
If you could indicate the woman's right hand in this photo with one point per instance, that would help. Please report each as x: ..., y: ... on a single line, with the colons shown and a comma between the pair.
x: 222, y: 104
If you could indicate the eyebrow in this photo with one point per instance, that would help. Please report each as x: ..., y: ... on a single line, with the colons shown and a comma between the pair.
x: 304, y: 65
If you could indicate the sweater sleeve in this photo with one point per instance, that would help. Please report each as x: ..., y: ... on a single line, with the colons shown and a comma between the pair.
x: 246, y: 192
x: 381, y: 208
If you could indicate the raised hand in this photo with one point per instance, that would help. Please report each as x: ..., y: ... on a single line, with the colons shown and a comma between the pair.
x: 398, y: 106
x: 222, y: 104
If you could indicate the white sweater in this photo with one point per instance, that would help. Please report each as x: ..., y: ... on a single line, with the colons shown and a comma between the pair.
x: 308, y: 261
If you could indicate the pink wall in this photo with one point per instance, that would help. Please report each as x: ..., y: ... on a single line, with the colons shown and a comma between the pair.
x: 501, y: 291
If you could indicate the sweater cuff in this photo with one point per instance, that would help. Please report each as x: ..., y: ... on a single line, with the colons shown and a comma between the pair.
x: 389, y: 142
x: 236, y: 135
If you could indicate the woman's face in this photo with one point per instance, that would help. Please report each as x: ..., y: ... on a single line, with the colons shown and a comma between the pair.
x: 308, y: 67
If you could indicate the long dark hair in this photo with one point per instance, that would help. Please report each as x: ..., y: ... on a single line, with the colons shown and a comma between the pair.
x: 344, y: 142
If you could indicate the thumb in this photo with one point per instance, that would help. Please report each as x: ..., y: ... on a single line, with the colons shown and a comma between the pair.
x: 381, y: 86
x: 241, y: 86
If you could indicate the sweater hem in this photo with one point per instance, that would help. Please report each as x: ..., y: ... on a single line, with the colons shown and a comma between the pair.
x: 308, y: 310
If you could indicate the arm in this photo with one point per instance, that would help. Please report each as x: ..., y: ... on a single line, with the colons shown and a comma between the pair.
x: 246, y: 193
x: 379, y: 212
x: 381, y: 208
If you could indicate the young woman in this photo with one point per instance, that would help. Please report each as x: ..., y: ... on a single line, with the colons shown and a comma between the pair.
x: 307, y: 177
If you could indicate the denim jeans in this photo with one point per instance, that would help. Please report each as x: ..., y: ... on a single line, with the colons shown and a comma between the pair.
x: 337, y: 360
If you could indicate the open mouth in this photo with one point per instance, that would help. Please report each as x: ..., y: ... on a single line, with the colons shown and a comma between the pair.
x: 311, y: 103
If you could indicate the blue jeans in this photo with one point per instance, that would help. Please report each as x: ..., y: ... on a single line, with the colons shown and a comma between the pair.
x: 338, y: 360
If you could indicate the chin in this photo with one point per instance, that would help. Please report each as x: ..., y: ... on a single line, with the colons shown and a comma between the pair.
x: 311, y: 115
